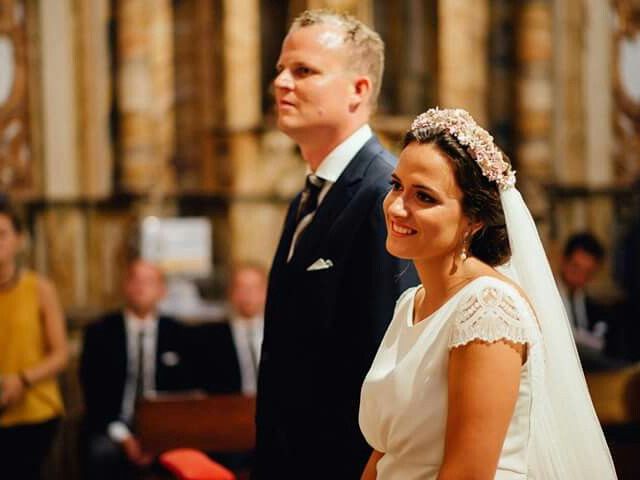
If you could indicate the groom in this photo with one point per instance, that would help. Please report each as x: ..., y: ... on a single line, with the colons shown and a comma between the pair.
x: 332, y: 286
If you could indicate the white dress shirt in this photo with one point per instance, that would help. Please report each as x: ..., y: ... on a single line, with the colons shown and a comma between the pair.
x: 247, y: 337
x: 134, y: 325
x: 330, y: 170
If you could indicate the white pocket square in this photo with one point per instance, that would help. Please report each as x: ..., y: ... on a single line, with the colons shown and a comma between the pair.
x: 320, y: 264
x: 170, y: 359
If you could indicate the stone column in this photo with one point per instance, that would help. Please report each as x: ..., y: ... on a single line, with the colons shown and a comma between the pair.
x: 598, y: 89
x: 501, y: 61
x: 569, y: 111
x: 59, y: 107
x: 463, y: 73
x: 598, y: 101
x: 241, y: 56
x: 242, y: 117
x: 94, y: 97
x: 145, y: 94
x: 534, y: 102
x: 568, y: 139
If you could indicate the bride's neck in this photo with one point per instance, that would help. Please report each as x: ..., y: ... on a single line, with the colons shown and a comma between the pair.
x: 440, y: 279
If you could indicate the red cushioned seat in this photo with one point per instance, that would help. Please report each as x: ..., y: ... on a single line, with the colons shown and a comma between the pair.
x: 189, y: 464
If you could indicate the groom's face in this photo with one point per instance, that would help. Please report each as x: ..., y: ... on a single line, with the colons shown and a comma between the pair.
x: 313, y: 85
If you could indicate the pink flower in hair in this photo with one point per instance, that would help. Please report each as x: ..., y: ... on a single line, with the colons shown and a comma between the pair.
x: 477, y: 140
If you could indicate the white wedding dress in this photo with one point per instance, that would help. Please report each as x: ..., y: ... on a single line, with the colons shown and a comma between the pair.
x: 403, y: 407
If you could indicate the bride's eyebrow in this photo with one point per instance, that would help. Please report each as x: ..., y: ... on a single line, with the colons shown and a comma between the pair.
x: 419, y: 186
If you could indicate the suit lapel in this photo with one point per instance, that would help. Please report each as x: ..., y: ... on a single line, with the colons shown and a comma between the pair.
x: 120, y: 355
x: 289, y: 227
x: 161, y: 346
x: 334, y: 203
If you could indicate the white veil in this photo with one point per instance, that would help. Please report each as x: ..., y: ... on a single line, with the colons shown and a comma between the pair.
x: 567, y: 442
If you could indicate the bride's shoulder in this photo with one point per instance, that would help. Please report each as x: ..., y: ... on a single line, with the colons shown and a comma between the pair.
x: 496, y: 289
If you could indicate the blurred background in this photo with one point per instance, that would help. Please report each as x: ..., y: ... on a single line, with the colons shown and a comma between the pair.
x: 117, y: 111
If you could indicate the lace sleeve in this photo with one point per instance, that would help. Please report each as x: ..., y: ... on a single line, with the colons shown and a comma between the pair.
x: 490, y: 314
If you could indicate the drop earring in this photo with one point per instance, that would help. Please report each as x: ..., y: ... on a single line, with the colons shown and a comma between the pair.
x: 464, y: 254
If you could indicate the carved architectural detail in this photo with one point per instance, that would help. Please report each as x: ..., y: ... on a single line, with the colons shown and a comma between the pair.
x: 146, y: 94
x: 534, y: 101
x: 17, y: 168
x: 627, y: 92
x: 94, y: 97
x: 199, y: 99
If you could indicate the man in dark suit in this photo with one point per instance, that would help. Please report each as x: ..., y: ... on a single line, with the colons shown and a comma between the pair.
x: 231, y: 348
x: 590, y: 320
x: 127, y: 355
x: 332, y: 285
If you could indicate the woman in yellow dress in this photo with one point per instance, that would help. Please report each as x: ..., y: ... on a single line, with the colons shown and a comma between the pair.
x: 33, y: 350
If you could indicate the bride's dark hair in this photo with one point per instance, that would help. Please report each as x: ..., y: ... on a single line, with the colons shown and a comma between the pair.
x: 481, y: 197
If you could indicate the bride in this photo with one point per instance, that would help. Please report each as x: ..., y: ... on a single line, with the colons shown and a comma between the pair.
x: 477, y: 376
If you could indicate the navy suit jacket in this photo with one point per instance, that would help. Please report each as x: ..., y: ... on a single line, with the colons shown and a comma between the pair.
x: 323, y: 327
x: 218, y: 357
x: 103, y: 366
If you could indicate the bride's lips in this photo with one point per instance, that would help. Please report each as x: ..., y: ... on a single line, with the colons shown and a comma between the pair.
x: 399, y: 230
x: 285, y: 104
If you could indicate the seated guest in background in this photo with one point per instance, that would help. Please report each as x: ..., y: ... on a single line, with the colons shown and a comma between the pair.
x: 582, y: 258
x: 127, y: 355
x: 233, y: 347
x: 247, y: 295
x: 33, y: 350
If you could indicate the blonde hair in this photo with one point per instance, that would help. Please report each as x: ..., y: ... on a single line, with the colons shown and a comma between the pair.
x: 366, y: 48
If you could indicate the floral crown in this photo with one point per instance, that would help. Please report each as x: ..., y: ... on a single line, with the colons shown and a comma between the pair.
x: 477, y: 140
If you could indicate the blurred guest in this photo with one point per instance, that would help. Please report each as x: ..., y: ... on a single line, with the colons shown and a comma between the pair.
x: 33, y: 350
x: 230, y: 350
x: 582, y: 259
x: 127, y: 355
x: 247, y: 295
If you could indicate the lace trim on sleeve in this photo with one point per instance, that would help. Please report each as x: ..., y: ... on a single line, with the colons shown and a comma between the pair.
x: 490, y: 315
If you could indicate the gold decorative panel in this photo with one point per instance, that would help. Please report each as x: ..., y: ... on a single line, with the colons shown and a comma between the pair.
x: 16, y: 160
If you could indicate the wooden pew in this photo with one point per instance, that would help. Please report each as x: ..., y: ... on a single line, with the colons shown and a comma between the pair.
x: 216, y: 423
x: 616, y: 399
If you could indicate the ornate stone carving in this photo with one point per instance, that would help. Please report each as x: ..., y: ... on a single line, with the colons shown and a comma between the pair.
x: 626, y: 81
x: 17, y: 173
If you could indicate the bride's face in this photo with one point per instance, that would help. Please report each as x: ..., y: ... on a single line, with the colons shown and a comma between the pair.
x: 423, y: 210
